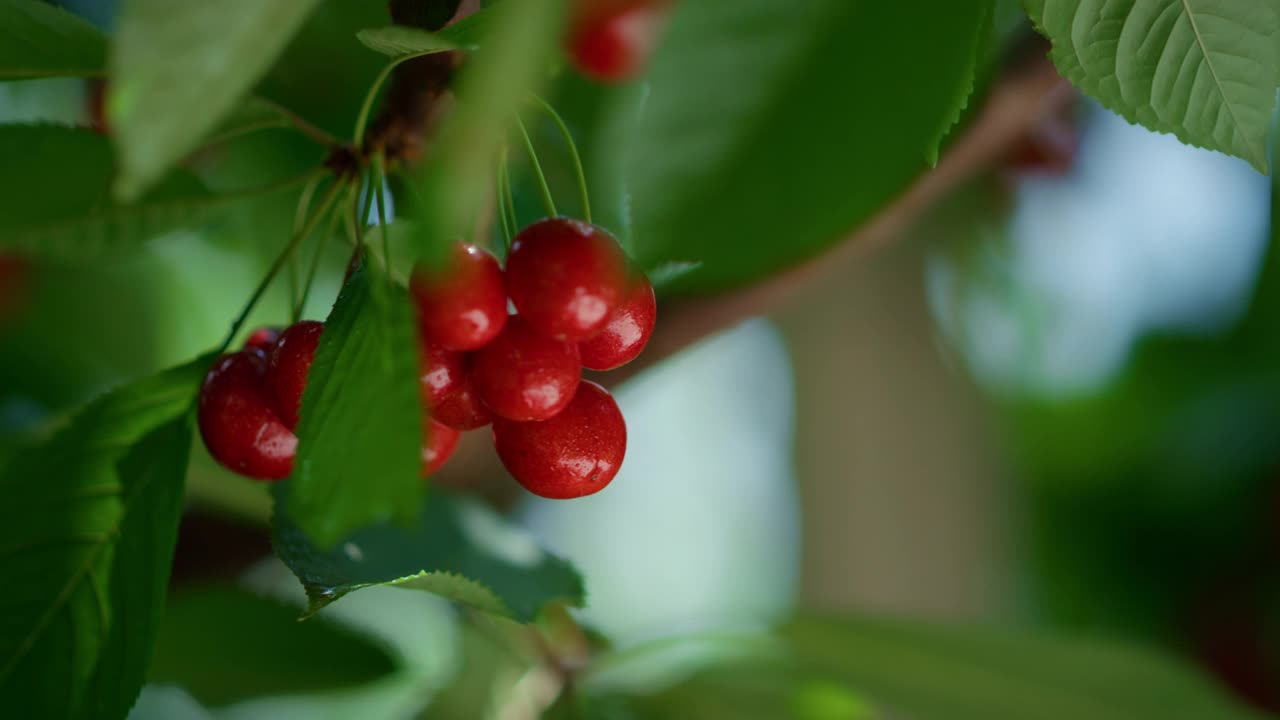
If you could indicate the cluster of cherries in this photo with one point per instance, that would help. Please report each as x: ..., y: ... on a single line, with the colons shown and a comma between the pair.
x: 578, y: 305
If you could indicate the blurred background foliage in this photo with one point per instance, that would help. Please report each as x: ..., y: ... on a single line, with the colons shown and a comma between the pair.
x: 1055, y: 405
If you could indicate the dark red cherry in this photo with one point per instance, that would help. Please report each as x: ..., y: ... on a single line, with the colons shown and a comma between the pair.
x: 262, y: 338
x: 238, y: 424
x: 438, y: 444
x: 627, y: 331
x: 610, y: 40
x: 440, y: 372
x: 288, y: 365
x: 565, y: 277
x: 461, y: 409
x: 523, y: 375
x: 462, y: 304
x: 573, y: 454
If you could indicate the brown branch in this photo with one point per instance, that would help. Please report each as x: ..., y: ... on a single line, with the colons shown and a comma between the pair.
x: 1015, y: 106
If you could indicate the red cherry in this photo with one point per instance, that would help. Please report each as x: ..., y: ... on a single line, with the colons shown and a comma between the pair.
x: 523, y: 375
x: 462, y: 409
x: 573, y: 454
x: 288, y: 366
x: 438, y: 443
x: 441, y: 372
x: 462, y: 305
x: 627, y: 331
x: 262, y: 338
x: 610, y: 40
x: 238, y: 425
x: 565, y: 277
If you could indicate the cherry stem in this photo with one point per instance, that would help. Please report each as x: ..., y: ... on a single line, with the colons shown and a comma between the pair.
x: 510, y: 199
x: 380, y: 174
x: 366, y: 107
x: 279, y: 262
x: 300, y: 217
x: 541, y: 177
x: 316, y: 254
x: 501, y: 197
x: 573, y: 153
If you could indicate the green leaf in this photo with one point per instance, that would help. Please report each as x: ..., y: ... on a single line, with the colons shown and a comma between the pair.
x: 38, y: 40
x: 223, y: 645
x: 1204, y: 70
x: 178, y: 68
x: 449, y: 191
x: 773, y: 129
x: 360, y: 435
x: 937, y: 671
x: 86, y: 540
x: 838, y: 667
x: 326, y: 47
x: 399, y: 41
x: 456, y: 549
x: 47, y: 208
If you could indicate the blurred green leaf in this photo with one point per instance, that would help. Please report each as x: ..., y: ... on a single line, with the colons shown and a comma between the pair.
x: 1203, y: 70
x: 88, y: 556
x: 39, y: 40
x: 456, y: 549
x: 772, y: 129
x: 449, y: 191
x: 223, y: 645
x: 853, y: 668
x: 398, y: 41
x: 171, y: 59
x: 326, y: 47
x: 953, y: 673
x: 55, y: 196
x: 360, y: 435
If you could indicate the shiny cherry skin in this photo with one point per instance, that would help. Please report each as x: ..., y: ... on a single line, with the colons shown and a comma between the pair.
x: 610, y: 40
x: 524, y: 375
x: 288, y: 365
x: 262, y: 338
x: 573, y: 454
x: 627, y: 331
x: 565, y: 277
x: 239, y: 426
x: 438, y: 444
x: 462, y: 305
x: 461, y: 409
x: 440, y: 372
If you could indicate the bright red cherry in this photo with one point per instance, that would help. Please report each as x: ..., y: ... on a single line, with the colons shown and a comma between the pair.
x: 288, y: 365
x: 262, y: 338
x: 438, y: 443
x: 627, y: 331
x: 440, y: 372
x: 565, y: 277
x: 237, y: 422
x: 461, y: 409
x: 573, y: 454
x: 610, y: 40
x: 523, y: 375
x: 462, y: 305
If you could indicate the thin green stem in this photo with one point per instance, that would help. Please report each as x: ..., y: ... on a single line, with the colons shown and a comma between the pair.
x: 314, y: 268
x: 543, y: 187
x: 502, y: 198
x: 278, y: 263
x: 510, y: 199
x: 573, y: 154
x: 366, y: 107
x: 359, y: 212
x: 300, y: 217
